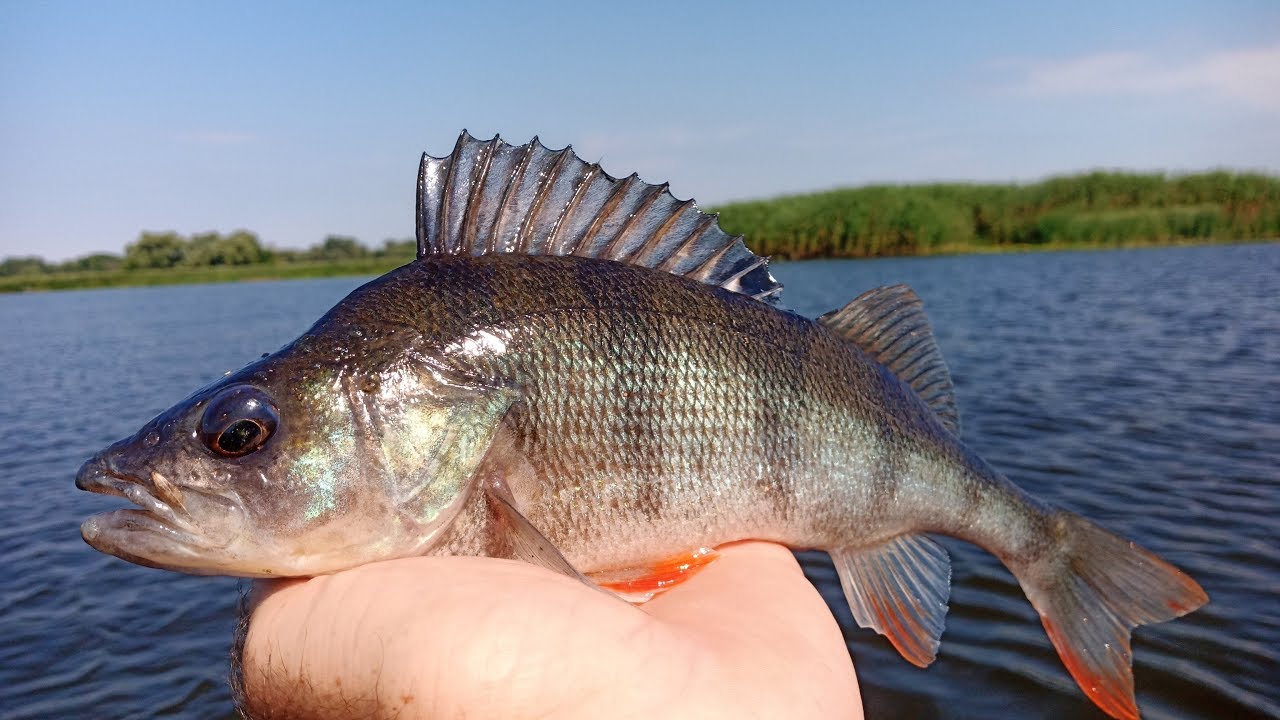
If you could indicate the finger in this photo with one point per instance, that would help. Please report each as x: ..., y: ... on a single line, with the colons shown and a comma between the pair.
x: 769, y: 627
x: 426, y: 637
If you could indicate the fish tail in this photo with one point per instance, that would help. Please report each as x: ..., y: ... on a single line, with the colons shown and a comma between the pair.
x: 1091, y: 589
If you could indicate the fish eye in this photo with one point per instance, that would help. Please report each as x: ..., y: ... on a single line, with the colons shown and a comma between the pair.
x: 239, y: 420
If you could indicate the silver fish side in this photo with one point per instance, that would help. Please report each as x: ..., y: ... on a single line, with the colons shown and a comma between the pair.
x: 584, y: 372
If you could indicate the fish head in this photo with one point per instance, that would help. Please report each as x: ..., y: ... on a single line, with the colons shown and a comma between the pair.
x: 293, y: 467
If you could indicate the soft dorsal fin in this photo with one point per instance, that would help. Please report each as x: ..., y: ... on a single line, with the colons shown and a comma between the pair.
x: 490, y: 197
x: 889, y: 324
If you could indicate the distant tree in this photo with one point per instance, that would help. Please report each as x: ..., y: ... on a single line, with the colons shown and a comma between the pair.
x: 339, y: 247
x: 97, y: 262
x: 202, y: 250
x: 239, y: 248
x: 244, y: 248
x: 398, y: 249
x: 155, y: 250
x: 286, y: 255
x: 22, y: 265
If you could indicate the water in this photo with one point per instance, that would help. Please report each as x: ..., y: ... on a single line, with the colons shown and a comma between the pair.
x: 1140, y: 388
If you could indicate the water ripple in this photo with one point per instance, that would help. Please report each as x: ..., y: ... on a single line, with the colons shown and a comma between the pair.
x: 1136, y: 387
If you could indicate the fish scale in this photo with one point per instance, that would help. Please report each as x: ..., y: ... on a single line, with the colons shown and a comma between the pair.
x: 586, y: 373
x: 672, y: 352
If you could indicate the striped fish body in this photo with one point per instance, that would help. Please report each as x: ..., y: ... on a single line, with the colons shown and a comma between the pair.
x: 659, y: 414
x: 584, y: 372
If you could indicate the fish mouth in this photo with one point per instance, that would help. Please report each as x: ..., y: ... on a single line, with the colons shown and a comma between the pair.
x: 159, y: 532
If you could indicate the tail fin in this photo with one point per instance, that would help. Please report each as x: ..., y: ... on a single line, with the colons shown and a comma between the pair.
x: 1090, y: 593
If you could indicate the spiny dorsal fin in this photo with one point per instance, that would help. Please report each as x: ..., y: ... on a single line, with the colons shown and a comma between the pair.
x: 889, y: 324
x: 491, y: 197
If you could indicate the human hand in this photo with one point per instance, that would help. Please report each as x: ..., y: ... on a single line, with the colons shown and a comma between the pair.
x: 478, y: 637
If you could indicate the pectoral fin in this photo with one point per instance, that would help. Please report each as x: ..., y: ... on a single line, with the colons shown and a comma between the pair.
x: 514, y: 536
x: 525, y: 541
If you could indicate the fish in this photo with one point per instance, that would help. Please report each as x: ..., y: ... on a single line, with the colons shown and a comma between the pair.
x: 584, y: 372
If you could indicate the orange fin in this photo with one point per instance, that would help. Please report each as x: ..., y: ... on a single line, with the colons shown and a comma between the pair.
x: 899, y: 589
x: 642, y: 583
x: 1092, y: 594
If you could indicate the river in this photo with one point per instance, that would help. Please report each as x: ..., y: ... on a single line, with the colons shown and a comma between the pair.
x: 1140, y: 388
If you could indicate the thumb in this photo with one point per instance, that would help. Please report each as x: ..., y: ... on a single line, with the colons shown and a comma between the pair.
x: 430, y: 637
x: 436, y: 636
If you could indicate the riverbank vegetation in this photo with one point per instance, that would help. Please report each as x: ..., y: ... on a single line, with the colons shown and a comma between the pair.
x: 1097, y: 210
x: 1094, y: 210
x: 168, y: 258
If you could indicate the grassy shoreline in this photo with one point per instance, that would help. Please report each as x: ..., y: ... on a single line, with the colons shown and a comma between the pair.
x: 87, y: 280
x: 1094, y: 211
x: 35, y: 282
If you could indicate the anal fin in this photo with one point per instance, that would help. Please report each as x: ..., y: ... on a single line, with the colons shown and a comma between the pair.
x: 899, y: 589
x: 643, y: 583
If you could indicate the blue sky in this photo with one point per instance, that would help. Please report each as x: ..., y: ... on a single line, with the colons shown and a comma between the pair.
x: 297, y: 120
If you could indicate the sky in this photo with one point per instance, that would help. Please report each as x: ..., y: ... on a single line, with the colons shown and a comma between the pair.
x: 301, y: 120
